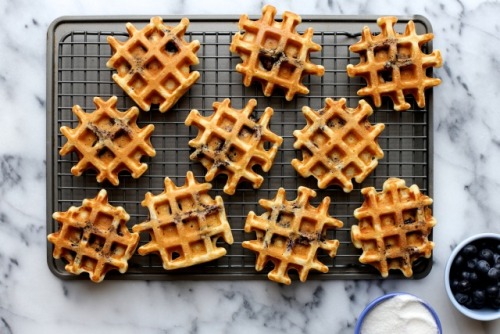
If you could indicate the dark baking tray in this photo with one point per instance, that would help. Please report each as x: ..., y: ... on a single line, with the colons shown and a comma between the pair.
x: 77, y: 52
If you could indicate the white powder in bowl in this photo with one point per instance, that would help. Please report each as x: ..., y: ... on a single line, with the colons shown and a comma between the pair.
x: 402, y: 314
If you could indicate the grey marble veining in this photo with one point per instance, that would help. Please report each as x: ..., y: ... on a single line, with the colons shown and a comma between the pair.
x: 466, y: 187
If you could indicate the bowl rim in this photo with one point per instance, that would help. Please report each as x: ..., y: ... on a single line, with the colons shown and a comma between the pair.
x: 482, y: 315
x: 379, y: 300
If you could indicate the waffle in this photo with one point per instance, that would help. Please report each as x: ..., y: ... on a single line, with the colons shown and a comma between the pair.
x: 290, y: 233
x: 153, y: 65
x: 108, y: 141
x: 230, y: 142
x: 274, y: 53
x: 184, y: 224
x: 394, y: 65
x: 393, y: 227
x: 94, y: 238
x: 338, y: 144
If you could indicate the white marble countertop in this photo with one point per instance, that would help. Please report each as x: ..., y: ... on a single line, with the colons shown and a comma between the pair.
x: 466, y: 162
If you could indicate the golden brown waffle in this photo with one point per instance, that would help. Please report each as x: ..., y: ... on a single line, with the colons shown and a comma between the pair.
x: 338, y: 144
x: 394, y: 65
x: 184, y: 224
x: 290, y: 233
x: 153, y: 65
x: 274, y: 53
x: 108, y: 141
x: 94, y: 238
x: 393, y: 227
x: 230, y: 142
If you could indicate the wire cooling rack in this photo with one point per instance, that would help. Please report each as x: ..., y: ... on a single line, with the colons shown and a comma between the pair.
x: 76, y: 73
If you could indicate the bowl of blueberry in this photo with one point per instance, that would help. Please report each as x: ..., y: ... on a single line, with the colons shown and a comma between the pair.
x: 472, y: 277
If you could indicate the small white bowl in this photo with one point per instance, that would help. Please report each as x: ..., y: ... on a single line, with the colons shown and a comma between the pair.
x: 486, y: 314
x: 381, y: 299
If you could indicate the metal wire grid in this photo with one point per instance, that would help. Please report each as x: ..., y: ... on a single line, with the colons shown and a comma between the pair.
x: 82, y: 74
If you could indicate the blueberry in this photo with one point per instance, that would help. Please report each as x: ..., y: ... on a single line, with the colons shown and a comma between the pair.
x: 482, y: 267
x: 462, y: 298
x: 494, y: 273
x: 469, y: 251
x: 496, y: 258
x: 454, y: 284
x: 459, y: 261
x: 471, y: 264
x: 486, y: 254
x: 495, y: 303
x: 491, y: 291
x: 466, y: 275
x: 470, y: 276
x: 470, y: 304
x: 464, y: 286
x: 479, y: 297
